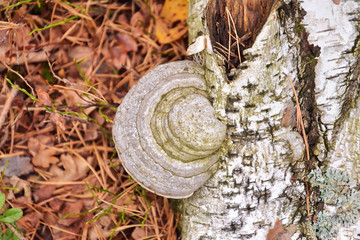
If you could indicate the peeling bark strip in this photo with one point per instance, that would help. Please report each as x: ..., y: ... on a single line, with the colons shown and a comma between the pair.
x: 243, y: 19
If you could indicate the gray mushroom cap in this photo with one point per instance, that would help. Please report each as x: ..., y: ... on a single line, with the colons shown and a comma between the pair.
x: 166, y: 132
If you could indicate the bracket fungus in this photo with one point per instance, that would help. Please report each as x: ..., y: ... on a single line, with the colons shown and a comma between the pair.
x: 166, y: 132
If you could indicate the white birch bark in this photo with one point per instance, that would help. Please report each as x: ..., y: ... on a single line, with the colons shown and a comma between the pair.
x: 253, y: 186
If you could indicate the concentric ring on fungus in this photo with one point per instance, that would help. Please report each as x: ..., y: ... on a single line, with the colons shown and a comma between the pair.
x: 166, y: 132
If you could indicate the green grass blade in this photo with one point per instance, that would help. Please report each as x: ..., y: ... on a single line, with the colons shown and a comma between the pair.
x: 54, y: 24
x: 22, y: 90
x: 2, y: 200
x: 18, y: 4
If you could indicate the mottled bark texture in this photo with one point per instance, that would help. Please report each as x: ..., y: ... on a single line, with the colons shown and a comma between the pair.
x: 263, y: 176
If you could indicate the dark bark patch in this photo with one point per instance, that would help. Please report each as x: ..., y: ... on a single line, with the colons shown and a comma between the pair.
x: 308, y: 54
x: 242, y: 19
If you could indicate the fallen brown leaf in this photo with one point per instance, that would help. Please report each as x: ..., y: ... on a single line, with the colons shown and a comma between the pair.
x: 80, y: 53
x: 43, y: 193
x: 28, y: 221
x: 74, y: 168
x: 289, y: 116
x: 20, y: 185
x: 139, y: 233
x: 56, y: 204
x: 44, y: 98
x: 279, y: 232
x: 50, y: 219
x: 103, y: 224
x: 57, y: 120
x: 118, y: 56
x: 42, y: 155
x: 127, y: 42
x: 74, y: 99
x: 137, y: 21
x: 122, y: 19
x: 91, y: 132
x: 70, y: 208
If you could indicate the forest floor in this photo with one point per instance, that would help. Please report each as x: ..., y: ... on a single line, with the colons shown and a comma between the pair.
x: 64, y: 68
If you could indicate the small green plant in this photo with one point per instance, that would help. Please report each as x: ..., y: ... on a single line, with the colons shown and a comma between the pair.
x: 9, y: 218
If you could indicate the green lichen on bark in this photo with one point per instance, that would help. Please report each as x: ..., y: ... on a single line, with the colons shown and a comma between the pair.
x: 335, y: 190
x: 195, y: 18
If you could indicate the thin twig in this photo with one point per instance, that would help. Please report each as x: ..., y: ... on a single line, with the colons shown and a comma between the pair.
x: 307, y: 199
x: 242, y: 39
x: 237, y: 36
x: 7, y: 106
x: 15, y: 232
x: 299, y: 120
x: 229, y: 32
x: 19, y: 75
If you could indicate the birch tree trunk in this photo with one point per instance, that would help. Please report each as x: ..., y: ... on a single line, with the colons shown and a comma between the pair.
x: 264, y: 175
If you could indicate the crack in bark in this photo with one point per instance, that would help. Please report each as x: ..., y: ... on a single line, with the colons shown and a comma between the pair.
x: 242, y: 20
x: 307, y: 54
x: 306, y: 75
x: 352, y: 92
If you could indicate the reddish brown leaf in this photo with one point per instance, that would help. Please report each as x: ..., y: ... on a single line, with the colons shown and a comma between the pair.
x: 29, y: 221
x: 118, y: 56
x: 74, y: 207
x: 56, y: 204
x: 43, y: 193
x: 44, y: 98
x: 71, y: 208
x: 20, y: 185
x: 74, y: 168
x: 91, y: 132
x: 289, y: 117
x: 127, y: 42
x: 139, y: 233
x: 137, y: 21
x: 45, y: 158
x: 50, y: 219
x: 337, y: 2
x: 122, y: 19
x: 42, y: 155
x: 280, y: 232
x: 57, y: 120
x: 275, y: 232
x: 34, y: 146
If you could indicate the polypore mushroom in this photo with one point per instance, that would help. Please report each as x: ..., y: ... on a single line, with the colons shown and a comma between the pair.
x: 166, y: 132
